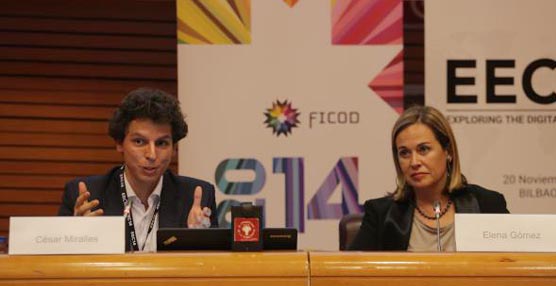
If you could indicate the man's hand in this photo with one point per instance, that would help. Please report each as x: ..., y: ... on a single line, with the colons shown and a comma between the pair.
x: 198, y: 218
x: 82, y: 205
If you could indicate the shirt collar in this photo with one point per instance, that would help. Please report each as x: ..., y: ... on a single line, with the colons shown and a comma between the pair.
x: 131, y: 193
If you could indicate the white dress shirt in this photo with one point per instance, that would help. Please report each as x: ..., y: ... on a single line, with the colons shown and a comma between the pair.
x: 142, y: 217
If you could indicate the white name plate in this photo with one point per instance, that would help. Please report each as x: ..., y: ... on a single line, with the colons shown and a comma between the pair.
x: 67, y: 235
x: 505, y: 232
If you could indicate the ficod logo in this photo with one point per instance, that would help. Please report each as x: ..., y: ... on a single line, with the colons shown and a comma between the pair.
x: 282, y: 117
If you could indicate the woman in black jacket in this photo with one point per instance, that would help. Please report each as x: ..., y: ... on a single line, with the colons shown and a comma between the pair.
x: 428, y: 178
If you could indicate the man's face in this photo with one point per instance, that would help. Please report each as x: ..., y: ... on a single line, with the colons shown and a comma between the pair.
x: 147, y: 150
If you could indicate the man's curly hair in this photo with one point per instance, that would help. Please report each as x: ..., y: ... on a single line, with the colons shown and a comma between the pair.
x: 148, y: 103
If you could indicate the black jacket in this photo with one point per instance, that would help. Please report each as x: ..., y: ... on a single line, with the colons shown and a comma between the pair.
x: 387, y: 224
x: 176, y: 197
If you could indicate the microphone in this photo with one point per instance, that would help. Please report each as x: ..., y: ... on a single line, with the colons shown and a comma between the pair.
x: 127, y: 209
x: 128, y: 219
x: 436, y: 208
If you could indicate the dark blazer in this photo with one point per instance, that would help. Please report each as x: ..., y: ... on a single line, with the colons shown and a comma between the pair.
x: 387, y: 224
x: 176, y: 197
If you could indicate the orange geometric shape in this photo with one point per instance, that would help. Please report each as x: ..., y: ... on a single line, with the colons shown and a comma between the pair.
x: 291, y: 3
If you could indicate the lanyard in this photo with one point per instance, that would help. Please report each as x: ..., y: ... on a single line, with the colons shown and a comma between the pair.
x: 129, y: 216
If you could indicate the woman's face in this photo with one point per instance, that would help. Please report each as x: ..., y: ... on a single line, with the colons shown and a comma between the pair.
x: 422, y: 159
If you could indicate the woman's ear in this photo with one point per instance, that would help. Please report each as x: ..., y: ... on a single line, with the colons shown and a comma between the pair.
x: 448, y: 156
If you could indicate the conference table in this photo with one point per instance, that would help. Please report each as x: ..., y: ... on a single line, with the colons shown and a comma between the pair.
x: 432, y: 269
x: 281, y: 268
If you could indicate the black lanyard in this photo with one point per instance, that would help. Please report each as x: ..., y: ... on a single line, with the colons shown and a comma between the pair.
x: 129, y: 216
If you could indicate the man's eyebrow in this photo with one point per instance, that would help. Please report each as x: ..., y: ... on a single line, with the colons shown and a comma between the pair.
x: 137, y: 134
x: 164, y: 137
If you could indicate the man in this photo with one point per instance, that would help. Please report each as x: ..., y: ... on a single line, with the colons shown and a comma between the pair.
x: 146, y: 128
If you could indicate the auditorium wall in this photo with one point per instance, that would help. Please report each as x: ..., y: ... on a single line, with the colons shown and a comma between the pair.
x: 64, y: 66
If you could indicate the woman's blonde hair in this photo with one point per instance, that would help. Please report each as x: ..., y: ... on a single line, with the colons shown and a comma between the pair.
x: 434, y: 119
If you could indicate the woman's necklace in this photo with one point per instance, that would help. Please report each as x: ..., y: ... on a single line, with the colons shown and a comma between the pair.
x: 443, y: 212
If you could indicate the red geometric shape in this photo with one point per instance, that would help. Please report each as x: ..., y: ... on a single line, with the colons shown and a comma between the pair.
x: 367, y: 22
x: 388, y: 84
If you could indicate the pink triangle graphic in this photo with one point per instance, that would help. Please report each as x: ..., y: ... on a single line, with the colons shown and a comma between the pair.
x: 388, y: 84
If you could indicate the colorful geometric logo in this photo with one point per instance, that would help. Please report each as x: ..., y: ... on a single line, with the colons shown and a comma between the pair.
x: 368, y: 22
x: 281, y: 118
x: 374, y: 22
x: 209, y: 22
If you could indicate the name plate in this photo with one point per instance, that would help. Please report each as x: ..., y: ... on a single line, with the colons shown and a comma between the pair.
x: 505, y: 232
x: 67, y: 235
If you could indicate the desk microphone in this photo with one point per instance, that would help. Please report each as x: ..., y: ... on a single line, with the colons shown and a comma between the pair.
x: 127, y: 218
x: 436, y: 208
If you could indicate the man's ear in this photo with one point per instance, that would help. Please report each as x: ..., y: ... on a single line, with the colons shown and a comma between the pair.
x: 175, y: 147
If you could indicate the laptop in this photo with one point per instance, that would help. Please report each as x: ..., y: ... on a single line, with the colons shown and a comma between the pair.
x: 220, y: 239
x: 193, y: 239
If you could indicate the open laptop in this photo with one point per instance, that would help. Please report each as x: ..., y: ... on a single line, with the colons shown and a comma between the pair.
x: 221, y: 239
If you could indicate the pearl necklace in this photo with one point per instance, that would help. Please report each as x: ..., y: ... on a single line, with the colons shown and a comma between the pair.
x: 443, y: 212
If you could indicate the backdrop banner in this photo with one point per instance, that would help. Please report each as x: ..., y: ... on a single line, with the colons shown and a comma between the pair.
x: 491, y: 68
x: 290, y: 105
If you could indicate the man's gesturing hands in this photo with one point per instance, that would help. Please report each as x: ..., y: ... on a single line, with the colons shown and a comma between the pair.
x: 83, y: 206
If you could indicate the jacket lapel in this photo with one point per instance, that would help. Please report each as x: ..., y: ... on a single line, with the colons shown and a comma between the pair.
x: 174, y: 200
x: 465, y: 202
x: 113, y: 204
x: 397, y: 226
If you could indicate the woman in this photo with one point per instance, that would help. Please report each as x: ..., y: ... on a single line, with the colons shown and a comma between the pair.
x: 428, y: 172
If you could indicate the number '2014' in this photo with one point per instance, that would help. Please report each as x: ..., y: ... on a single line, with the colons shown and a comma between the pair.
x: 344, y: 173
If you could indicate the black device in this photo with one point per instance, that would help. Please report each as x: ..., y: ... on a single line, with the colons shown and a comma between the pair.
x: 280, y: 239
x: 193, y: 239
x: 247, y: 225
x: 220, y: 239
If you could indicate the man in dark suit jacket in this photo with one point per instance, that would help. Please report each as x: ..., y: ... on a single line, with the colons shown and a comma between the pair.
x: 146, y: 128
